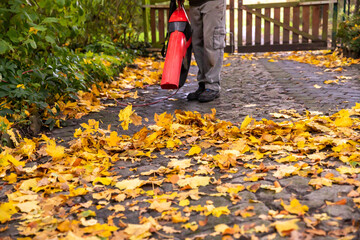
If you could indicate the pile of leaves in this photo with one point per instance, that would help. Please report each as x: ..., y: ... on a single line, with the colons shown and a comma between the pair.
x: 59, y: 191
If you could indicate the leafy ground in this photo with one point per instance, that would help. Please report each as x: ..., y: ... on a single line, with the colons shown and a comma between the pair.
x: 186, y: 176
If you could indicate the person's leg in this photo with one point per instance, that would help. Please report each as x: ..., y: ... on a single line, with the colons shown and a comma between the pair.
x: 198, y: 48
x: 213, y: 13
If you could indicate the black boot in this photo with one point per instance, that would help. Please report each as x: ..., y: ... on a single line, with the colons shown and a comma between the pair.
x: 195, y: 95
x: 208, y: 95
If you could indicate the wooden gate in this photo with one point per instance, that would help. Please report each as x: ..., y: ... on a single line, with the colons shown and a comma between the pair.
x: 283, y: 26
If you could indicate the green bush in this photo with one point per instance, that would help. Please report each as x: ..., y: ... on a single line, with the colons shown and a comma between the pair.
x: 51, y: 49
x: 349, y: 33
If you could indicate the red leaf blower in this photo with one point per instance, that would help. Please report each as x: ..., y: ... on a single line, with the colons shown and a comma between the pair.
x: 178, y: 50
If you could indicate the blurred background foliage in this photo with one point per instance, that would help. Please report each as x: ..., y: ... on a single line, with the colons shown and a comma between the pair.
x: 349, y: 27
x: 50, y: 49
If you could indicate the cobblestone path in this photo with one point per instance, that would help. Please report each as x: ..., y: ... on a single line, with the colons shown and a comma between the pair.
x: 257, y: 88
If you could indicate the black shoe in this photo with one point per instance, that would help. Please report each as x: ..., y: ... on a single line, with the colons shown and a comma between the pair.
x: 195, y: 95
x: 208, y: 95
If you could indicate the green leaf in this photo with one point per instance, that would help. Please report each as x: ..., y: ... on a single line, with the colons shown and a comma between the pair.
x: 5, y: 46
x: 14, y: 35
x: 50, y: 20
x: 50, y: 39
x: 60, y: 3
x: 31, y: 42
x: 40, y: 28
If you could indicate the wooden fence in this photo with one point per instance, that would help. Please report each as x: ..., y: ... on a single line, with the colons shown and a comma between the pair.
x: 301, y: 25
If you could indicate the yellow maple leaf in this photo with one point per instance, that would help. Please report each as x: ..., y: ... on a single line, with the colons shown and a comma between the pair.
x: 348, y: 170
x: 246, y: 122
x: 6, y: 211
x: 102, y: 230
x: 129, y: 184
x: 221, y: 228
x: 12, y: 178
x: 235, y: 189
x: 135, y: 119
x: 217, y: 212
x: 181, y: 164
x: 194, y: 150
x: 29, y: 184
x: 78, y: 192
x: 289, y: 158
x: 160, y: 206
x: 295, y: 207
x: 28, y: 206
x: 27, y: 147
x: 177, y: 218
x: 103, y: 180
x: 124, y: 116
x: 343, y: 119
x: 194, y: 182
x: 284, y: 228
x: 56, y: 152
x: 319, y: 182
x: 64, y: 226
x: 138, y: 231
x: 117, y: 208
x: 113, y: 139
x: 6, y: 159
x: 284, y: 171
x: 184, y: 202
x: 192, y: 226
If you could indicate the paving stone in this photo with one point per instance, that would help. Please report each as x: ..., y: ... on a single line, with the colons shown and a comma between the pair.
x: 296, y: 184
x: 328, y: 193
x: 344, y: 211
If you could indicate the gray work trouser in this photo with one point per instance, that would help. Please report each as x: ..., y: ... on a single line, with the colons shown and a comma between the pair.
x: 208, y: 40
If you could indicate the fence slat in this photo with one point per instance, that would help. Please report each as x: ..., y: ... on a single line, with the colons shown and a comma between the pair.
x: 153, y: 25
x: 232, y: 16
x: 325, y: 22
x: 305, y: 21
x: 240, y: 24
x: 315, y: 21
x: 258, y: 29
x: 276, y: 27
x: 286, y: 20
x: 161, y: 25
x: 248, y: 28
x: 296, y: 20
x: 267, y: 28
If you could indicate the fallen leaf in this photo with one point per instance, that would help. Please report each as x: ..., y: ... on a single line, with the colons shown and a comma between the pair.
x: 284, y: 228
x: 295, y: 207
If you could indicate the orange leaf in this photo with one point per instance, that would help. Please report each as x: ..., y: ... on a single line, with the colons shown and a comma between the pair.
x: 340, y: 202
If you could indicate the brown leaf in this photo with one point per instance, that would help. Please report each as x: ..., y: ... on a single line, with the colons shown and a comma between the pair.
x: 353, y: 194
x: 174, y: 179
x: 204, y: 222
x: 316, y: 232
x: 3, y: 229
x: 340, y: 202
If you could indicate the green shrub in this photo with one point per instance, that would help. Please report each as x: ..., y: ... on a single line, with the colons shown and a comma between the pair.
x: 349, y: 33
x: 49, y: 50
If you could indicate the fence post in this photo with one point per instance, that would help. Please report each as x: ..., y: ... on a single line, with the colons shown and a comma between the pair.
x: 334, y: 24
x: 146, y: 17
